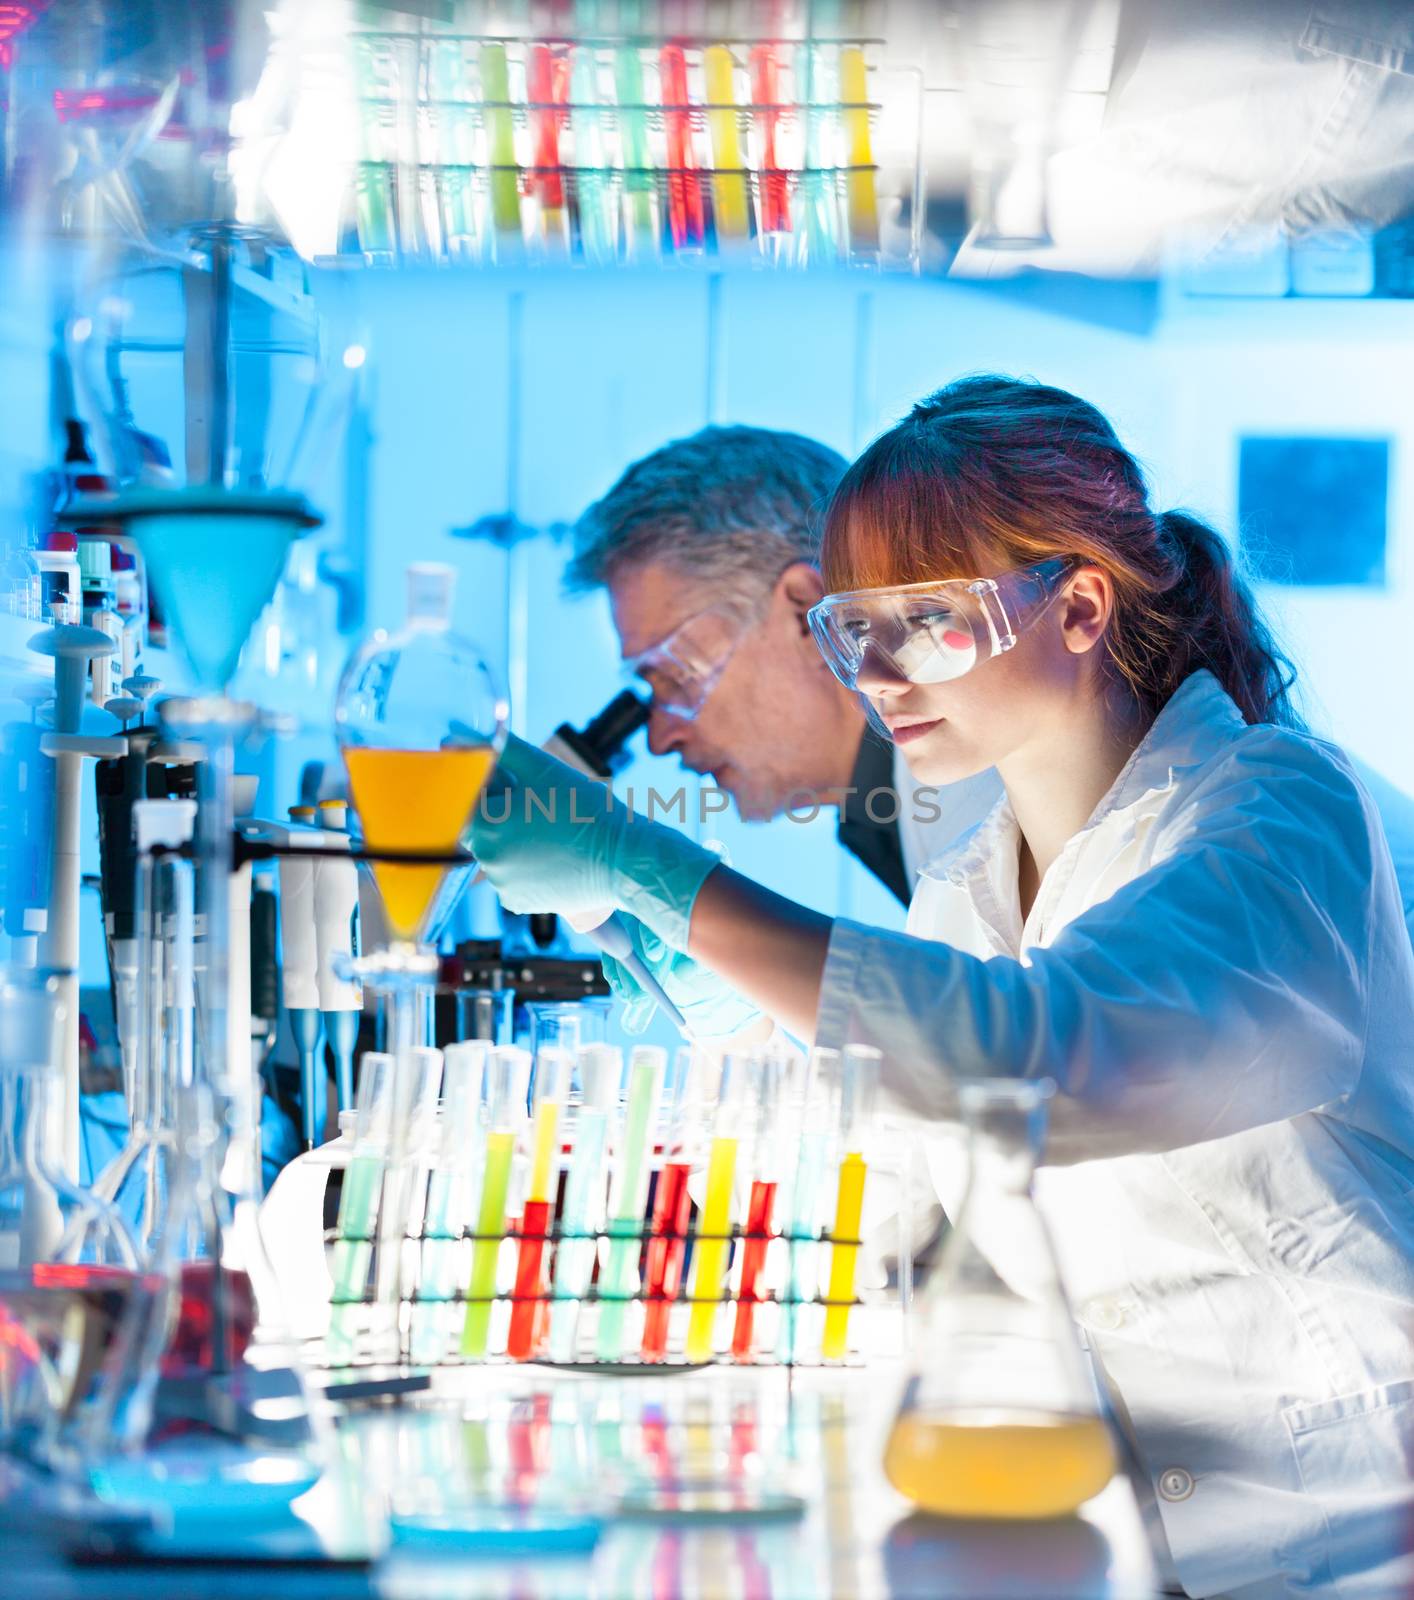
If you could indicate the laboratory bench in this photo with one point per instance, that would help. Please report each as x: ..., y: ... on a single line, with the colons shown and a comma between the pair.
x: 783, y: 1472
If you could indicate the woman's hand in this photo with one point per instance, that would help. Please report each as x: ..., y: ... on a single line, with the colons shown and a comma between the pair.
x: 710, y: 1007
x: 550, y: 839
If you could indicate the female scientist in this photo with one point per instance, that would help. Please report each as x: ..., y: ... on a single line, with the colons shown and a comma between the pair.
x: 1183, y: 911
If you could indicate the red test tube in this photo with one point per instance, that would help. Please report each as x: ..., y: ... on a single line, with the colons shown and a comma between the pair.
x: 685, y: 215
x: 768, y: 1074
x: 672, y: 1208
x: 766, y: 96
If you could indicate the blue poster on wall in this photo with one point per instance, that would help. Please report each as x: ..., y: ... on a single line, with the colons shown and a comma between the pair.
x: 1314, y: 511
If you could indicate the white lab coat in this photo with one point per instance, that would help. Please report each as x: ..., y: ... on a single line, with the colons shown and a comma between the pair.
x: 1216, y: 974
x: 932, y: 817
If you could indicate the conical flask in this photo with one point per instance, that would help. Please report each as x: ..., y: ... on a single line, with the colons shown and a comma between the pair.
x: 1000, y: 1417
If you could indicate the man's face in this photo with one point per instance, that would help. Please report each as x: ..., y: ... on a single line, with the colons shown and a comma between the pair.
x: 774, y: 723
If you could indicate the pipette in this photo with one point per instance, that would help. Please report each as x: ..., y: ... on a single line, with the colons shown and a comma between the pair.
x: 709, y: 1262
x: 859, y: 1080
x: 508, y: 1079
x: 730, y: 211
x: 629, y: 1195
x: 600, y: 1070
x: 300, y: 970
x: 861, y: 191
x: 358, y: 1203
x: 813, y: 1111
x: 672, y: 1205
x: 335, y: 908
x: 766, y: 1078
x: 450, y: 1198
x: 552, y: 1079
x: 614, y: 939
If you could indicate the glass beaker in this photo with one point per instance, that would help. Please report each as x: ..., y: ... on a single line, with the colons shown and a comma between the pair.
x: 68, y: 1269
x: 1000, y: 1417
x: 485, y: 1015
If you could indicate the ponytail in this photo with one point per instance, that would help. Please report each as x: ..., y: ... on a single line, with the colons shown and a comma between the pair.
x: 993, y: 473
x: 1205, y: 617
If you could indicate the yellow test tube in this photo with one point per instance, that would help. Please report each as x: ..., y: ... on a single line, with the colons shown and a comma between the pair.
x: 709, y: 1260
x: 500, y: 138
x: 859, y: 1080
x: 861, y: 185
x: 730, y: 201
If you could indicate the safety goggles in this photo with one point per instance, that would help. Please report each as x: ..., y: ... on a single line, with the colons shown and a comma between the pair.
x: 933, y: 632
x: 683, y: 669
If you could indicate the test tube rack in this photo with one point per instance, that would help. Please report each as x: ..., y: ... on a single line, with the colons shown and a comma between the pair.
x: 501, y: 150
x: 786, y: 1310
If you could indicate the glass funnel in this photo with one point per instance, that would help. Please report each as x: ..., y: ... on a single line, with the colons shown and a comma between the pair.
x: 1000, y: 1417
x: 420, y: 723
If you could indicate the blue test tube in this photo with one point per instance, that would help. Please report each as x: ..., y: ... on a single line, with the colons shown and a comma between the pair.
x: 582, y: 1215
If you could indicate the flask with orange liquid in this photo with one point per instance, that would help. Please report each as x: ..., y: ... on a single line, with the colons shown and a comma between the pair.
x: 1000, y: 1418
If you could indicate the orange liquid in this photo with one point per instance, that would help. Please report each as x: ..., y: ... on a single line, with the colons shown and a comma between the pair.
x: 966, y: 1464
x: 414, y: 800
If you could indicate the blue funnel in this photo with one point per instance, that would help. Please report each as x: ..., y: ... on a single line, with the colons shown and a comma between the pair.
x: 213, y: 558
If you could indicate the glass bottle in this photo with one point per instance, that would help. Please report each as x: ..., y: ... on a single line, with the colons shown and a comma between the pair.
x: 1000, y: 1417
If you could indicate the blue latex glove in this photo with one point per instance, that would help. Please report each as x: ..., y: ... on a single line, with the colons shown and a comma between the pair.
x: 710, y: 1007
x: 557, y: 841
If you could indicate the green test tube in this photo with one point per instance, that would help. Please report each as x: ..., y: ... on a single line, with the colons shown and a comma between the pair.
x: 359, y: 1204
x: 634, y: 153
x: 508, y: 1083
x: 453, y: 1189
x: 629, y: 1194
x: 500, y: 138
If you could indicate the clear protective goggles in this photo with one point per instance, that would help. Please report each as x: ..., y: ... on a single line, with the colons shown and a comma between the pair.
x: 683, y: 669
x: 933, y: 632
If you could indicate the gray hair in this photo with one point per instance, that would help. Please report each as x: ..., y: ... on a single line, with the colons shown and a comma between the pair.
x: 734, y: 506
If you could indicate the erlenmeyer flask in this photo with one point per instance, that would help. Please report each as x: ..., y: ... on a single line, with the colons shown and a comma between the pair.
x: 1000, y: 1417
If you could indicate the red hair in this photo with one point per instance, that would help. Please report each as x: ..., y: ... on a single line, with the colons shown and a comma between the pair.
x: 994, y: 473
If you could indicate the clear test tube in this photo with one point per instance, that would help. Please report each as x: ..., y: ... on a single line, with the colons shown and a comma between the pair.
x: 812, y: 1097
x: 552, y: 1081
x: 359, y: 1203
x: 672, y: 1205
x: 713, y: 1247
x: 417, y: 1081
x: 628, y: 1195
x: 859, y: 1082
x: 507, y: 1083
x: 764, y: 1157
x: 451, y: 1195
x: 600, y: 1068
